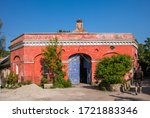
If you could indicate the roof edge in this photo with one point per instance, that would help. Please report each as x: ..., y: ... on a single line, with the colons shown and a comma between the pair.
x: 17, y: 37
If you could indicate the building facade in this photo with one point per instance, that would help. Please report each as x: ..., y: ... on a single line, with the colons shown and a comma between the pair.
x: 80, y: 52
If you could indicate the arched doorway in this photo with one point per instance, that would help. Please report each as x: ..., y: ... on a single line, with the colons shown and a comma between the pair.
x: 79, y: 68
x: 17, y: 68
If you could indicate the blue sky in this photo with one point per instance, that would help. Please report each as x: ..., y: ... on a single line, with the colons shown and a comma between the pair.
x: 102, y: 16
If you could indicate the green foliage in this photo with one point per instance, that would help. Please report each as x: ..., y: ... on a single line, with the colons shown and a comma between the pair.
x: 44, y: 80
x: 2, y: 43
x: 3, y: 53
x: 67, y: 83
x: 104, y: 85
x: 112, y: 69
x: 1, y: 23
x: 52, y: 60
x: 27, y: 82
x: 12, y: 79
x: 60, y: 82
x: 52, y: 57
x: 19, y: 84
x: 144, y: 54
x: 63, y: 31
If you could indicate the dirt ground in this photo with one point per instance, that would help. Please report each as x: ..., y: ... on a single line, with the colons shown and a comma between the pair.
x: 81, y: 92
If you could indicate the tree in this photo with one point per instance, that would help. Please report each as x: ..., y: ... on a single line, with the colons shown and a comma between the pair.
x: 141, y: 56
x: 52, y: 60
x: 2, y: 38
x: 144, y: 55
x: 1, y: 23
x: 2, y: 43
x: 147, y: 44
x: 3, y: 53
x: 147, y: 52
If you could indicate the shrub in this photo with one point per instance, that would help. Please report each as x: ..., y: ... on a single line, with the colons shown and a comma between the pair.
x: 104, y: 85
x: 19, y: 84
x: 112, y: 69
x: 67, y: 83
x: 27, y: 82
x: 60, y: 82
x: 44, y: 80
x: 12, y: 80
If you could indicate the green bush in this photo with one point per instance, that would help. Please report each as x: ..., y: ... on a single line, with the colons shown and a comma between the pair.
x: 60, y: 82
x: 19, y: 84
x: 27, y: 82
x: 104, y: 85
x: 12, y: 80
x: 67, y: 83
x: 112, y: 69
x: 44, y: 80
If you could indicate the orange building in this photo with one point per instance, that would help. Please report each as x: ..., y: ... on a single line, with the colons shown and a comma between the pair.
x: 80, y: 52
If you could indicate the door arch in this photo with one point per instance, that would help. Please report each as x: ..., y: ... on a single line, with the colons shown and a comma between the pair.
x: 79, y: 68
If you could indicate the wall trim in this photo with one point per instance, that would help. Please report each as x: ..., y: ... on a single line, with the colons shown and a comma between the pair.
x: 74, y: 43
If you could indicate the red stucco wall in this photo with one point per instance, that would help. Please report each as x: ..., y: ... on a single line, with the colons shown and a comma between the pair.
x: 28, y: 57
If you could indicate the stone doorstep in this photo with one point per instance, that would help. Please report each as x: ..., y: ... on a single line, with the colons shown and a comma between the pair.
x: 48, y: 86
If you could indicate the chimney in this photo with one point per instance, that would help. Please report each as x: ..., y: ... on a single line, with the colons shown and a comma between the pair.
x: 79, y: 26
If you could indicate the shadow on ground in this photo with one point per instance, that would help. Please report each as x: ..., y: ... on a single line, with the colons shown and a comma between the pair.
x: 145, y: 87
x: 120, y: 98
x: 86, y: 86
x: 146, y: 90
x: 91, y: 87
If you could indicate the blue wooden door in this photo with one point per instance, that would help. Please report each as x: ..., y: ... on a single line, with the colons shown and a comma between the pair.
x: 74, y: 69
